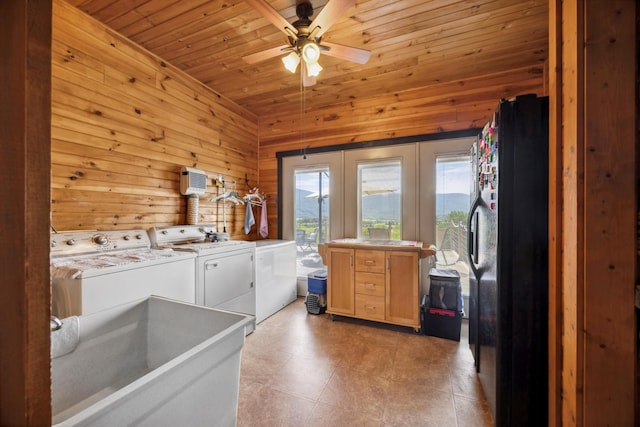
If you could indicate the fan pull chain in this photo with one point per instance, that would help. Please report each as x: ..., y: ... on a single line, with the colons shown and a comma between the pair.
x: 303, y: 101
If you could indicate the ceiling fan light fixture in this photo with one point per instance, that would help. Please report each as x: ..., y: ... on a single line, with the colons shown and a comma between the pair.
x: 310, y: 53
x: 313, y: 69
x: 304, y: 38
x: 291, y: 61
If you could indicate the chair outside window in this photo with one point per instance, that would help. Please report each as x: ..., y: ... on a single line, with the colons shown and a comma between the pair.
x: 304, y: 240
x: 310, y: 238
x: 300, y: 235
x: 379, y: 233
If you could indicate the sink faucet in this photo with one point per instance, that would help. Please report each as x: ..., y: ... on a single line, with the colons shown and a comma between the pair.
x: 55, y: 323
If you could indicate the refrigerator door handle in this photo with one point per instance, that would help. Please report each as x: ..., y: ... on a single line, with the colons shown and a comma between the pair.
x: 472, y: 236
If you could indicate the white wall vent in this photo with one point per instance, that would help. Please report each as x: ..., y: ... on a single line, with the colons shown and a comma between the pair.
x: 192, y: 181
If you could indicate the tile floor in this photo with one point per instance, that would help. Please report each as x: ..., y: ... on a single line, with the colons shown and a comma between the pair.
x: 300, y: 369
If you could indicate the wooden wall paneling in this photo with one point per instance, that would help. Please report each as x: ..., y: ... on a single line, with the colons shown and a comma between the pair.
x: 124, y: 73
x: 318, y: 130
x: 25, y: 72
x: 637, y: 390
x: 593, y: 130
x: 555, y: 397
x: 127, y: 126
x: 572, y: 213
x: 130, y: 49
x: 609, y: 212
x: 444, y: 95
x: 186, y: 118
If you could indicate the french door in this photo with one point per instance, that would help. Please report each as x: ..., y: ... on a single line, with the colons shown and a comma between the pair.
x: 312, y: 206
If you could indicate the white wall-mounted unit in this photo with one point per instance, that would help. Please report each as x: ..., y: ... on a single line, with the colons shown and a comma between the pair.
x: 192, y: 181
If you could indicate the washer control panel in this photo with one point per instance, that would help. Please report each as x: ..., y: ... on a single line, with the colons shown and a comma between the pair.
x: 90, y: 242
x: 162, y: 236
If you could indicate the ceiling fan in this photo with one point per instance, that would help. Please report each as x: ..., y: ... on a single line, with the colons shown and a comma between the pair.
x: 305, y: 38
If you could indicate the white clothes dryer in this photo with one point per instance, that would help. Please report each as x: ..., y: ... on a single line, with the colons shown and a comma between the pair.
x: 225, y: 274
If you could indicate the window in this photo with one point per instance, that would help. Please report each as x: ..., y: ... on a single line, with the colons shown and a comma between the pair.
x: 388, y: 188
x: 312, y: 204
x: 380, y: 191
x: 453, y: 199
x: 312, y: 216
x: 380, y: 200
x: 312, y: 207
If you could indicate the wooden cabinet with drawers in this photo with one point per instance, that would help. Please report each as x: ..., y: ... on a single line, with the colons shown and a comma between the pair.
x: 373, y: 281
x: 370, y: 284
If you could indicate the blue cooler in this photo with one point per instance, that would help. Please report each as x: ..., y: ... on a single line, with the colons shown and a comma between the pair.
x: 316, y: 300
x: 317, y: 282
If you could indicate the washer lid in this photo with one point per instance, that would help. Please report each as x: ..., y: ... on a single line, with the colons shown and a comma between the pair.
x: 75, y: 267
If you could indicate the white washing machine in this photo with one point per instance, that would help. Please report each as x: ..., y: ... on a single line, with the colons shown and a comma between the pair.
x: 225, y: 276
x: 276, y: 281
x: 95, y: 270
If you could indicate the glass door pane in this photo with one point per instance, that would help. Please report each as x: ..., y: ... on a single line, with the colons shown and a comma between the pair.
x: 311, y: 216
x: 453, y: 198
x: 380, y: 200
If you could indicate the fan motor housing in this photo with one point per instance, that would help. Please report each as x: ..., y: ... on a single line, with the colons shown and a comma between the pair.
x: 304, y: 10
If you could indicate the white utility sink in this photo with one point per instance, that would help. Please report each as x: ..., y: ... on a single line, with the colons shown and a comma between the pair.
x: 155, y: 362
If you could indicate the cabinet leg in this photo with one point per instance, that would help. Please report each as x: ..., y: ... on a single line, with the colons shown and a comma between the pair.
x: 417, y: 331
x: 332, y: 316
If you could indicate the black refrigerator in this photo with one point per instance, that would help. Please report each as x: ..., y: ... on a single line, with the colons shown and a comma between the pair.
x: 508, y: 254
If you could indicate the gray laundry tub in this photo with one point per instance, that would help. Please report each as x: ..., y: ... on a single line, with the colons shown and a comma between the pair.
x: 155, y: 362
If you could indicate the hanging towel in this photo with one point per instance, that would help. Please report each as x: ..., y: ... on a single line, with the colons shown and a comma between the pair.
x: 264, y: 226
x: 248, y: 219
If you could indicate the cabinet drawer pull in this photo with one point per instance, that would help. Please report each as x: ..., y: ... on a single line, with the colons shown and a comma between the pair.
x: 210, y: 265
x: 370, y: 285
x: 369, y: 262
x: 369, y: 307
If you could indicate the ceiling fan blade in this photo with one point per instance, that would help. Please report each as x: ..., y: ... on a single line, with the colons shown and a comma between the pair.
x: 349, y: 53
x: 273, y: 16
x: 330, y: 14
x: 265, y: 54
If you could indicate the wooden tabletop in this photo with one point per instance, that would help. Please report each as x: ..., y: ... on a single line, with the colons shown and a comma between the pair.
x: 425, y: 249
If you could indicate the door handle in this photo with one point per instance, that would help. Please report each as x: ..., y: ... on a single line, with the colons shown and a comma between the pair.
x: 472, y: 236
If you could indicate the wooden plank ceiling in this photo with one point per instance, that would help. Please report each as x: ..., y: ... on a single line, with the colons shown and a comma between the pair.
x: 414, y: 43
